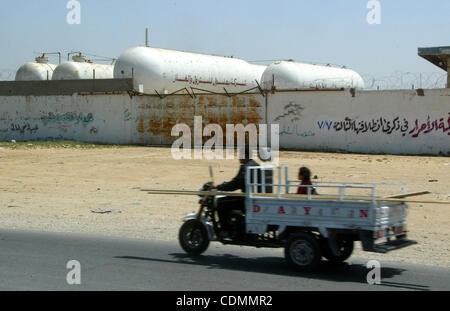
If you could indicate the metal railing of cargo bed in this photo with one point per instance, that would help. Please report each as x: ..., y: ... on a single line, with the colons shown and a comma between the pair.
x: 256, y: 178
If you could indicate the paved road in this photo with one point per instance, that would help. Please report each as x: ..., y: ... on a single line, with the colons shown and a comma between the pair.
x: 37, y: 261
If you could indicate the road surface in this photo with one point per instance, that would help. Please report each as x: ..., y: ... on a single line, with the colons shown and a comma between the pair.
x: 38, y: 261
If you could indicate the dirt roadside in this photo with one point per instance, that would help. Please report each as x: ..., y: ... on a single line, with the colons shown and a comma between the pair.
x: 55, y: 189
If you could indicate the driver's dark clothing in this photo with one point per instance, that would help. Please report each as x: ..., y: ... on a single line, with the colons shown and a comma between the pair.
x: 226, y: 204
x: 238, y: 182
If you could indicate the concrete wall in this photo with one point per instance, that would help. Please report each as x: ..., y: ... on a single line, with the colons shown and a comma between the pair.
x: 397, y: 122
x: 119, y: 118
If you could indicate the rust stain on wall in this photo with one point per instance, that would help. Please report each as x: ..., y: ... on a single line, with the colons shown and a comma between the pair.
x: 169, y: 105
x: 162, y: 115
x: 237, y: 117
x: 201, y: 101
x: 223, y: 117
x: 253, y: 116
x: 223, y: 103
x: 140, y: 126
x: 211, y: 101
x: 155, y: 127
x: 238, y: 101
x: 187, y: 104
x: 212, y: 119
x: 169, y: 123
x: 254, y: 103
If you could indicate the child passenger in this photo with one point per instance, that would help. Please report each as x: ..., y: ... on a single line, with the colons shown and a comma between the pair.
x: 305, y: 176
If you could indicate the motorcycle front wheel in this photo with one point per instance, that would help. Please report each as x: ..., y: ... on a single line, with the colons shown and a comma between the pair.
x: 193, y: 237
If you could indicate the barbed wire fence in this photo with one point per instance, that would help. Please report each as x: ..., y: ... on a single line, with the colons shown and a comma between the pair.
x: 398, y: 80
x: 405, y: 80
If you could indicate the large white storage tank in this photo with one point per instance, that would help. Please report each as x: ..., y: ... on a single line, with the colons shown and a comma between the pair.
x: 161, y: 71
x: 39, y: 71
x: 80, y: 68
x: 289, y: 75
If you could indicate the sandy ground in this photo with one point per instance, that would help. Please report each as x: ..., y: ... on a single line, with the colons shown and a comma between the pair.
x: 55, y: 189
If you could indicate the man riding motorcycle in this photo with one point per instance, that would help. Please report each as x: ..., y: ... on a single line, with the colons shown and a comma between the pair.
x: 227, y: 204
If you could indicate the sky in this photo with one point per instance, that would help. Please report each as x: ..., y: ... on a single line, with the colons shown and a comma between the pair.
x: 325, y: 31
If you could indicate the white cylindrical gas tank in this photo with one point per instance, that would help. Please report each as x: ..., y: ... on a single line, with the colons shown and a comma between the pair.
x: 167, y: 71
x: 79, y: 69
x: 39, y: 71
x: 288, y: 75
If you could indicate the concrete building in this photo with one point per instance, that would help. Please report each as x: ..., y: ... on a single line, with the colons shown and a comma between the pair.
x: 439, y: 56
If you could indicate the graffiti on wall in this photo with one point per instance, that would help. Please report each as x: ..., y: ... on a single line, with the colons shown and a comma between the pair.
x: 292, y: 111
x: 69, y: 117
x: 24, y: 128
x: 127, y: 115
x: 389, y: 126
x: 430, y: 126
x: 293, y: 130
x: 64, y: 121
x: 31, y: 125
x: 20, y: 128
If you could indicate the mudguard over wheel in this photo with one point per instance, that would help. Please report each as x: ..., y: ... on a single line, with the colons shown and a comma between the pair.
x: 193, y: 237
x: 303, y: 252
x: 345, y: 247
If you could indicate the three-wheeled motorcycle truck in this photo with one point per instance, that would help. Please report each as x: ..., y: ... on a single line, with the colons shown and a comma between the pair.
x: 308, y: 227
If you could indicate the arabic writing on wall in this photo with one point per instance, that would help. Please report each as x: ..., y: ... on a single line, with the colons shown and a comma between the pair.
x: 294, y: 131
x: 14, y: 127
x: 67, y: 117
x: 23, y: 125
x: 212, y: 81
x: 386, y: 126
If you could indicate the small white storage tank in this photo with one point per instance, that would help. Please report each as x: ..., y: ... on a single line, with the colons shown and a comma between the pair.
x: 162, y: 71
x: 80, y: 68
x: 289, y: 75
x: 39, y: 71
